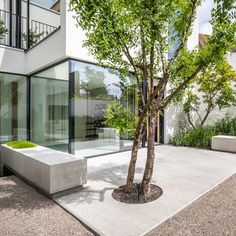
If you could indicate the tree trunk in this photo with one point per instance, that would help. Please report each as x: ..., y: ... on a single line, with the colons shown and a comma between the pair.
x: 134, y: 153
x: 189, y: 120
x: 208, y: 111
x: 147, y: 176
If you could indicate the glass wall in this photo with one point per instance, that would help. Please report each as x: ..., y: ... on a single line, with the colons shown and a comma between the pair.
x: 95, y: 88
x: 67, y: 106
x: 49, y: 107
x: 13, y: 112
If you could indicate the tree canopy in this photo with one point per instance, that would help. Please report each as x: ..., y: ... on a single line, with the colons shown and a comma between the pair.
x: 137, y: 36
x: 214, y: 87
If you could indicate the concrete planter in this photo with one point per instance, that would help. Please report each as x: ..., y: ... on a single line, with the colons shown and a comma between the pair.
x: 49, y: 170
x: 224, y: 143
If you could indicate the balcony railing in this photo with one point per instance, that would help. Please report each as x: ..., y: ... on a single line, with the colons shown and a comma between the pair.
x: 25, y: 38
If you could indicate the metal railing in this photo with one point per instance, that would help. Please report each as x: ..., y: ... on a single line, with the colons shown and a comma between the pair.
x: 9, y: 35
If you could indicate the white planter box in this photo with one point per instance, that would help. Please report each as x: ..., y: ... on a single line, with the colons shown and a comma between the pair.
x: 49, y: 170
x: 224, y: 143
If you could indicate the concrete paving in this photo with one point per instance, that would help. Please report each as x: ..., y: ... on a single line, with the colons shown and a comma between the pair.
x: 184, y: 174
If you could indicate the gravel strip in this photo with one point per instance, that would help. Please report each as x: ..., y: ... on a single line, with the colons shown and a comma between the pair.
x: 212, y: 215
x: 24, y: 211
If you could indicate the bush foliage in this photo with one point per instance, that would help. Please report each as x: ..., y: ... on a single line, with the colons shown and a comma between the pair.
x: 121, y: 118
x: 201, y: 136
x: 21, y: 144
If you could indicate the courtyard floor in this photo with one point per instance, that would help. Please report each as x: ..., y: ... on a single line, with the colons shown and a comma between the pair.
x: 199, y: 199
x: 184, y: 174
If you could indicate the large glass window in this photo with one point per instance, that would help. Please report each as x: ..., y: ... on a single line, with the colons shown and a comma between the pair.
x: 13, y: 111
x: 49, y: 107
x: 95, y: 88
x: 67, y: 108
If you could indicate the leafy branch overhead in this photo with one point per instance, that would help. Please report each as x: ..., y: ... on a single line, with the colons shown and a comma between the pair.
x: 217, y: 87
x: 134, y: 35
x: 137, y: 36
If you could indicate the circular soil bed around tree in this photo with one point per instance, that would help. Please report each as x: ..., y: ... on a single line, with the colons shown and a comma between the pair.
x: 135, y: 197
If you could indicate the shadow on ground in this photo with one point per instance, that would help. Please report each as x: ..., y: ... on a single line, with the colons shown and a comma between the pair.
x: 115, y: 176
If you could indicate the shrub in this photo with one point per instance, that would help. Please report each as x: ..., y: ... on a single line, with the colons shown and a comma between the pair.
x: 121, y: 118
x: 21, y: 144
x: 3, y: 29
x: 201, y: 136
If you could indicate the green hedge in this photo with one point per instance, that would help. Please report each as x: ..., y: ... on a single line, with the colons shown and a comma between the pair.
x: 201, y: 136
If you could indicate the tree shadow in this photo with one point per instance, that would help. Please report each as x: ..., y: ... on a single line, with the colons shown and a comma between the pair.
x: 100, y: 183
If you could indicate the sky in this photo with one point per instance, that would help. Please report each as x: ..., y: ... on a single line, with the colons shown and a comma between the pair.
x: 205, y: 17
x: 45, y: 3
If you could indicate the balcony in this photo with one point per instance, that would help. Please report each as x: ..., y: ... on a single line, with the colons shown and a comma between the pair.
x: 22, y: 32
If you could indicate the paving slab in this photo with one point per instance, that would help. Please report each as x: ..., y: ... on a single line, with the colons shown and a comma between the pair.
x: 184, y: 174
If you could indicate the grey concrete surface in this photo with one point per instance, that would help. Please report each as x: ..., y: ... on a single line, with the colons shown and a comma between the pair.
x: 25, y: 212
x: 184, y: 174
x: 50, y: 170
x: 224, y: 143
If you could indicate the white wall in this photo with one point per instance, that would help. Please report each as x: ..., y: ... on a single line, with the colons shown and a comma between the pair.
x: 67, y: 42
x: 41, y: 14
x: 232, y: 60
x: 37, y: 13
x: 51, y: 50
x: 174, y: 115
x: 46, y: 53
x: 4, y: 5
x: 42, y: 55
x: 12, y: 60
x: 74, y: 38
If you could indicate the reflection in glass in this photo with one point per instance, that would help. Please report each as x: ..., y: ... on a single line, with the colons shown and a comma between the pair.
x: 12, y: 107
x: 49, y: 108
x: 95, y: 88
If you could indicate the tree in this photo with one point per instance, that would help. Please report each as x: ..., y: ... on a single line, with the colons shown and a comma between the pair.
x: 135, y: 36
x: 216, y: 88
x: 94, y: 85
x: 121, y: 118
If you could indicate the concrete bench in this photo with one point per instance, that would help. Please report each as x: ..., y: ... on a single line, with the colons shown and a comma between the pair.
x: 224, y: 143
x: 48, y: 170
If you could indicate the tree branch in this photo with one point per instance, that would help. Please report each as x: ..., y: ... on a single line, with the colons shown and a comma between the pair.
x: 189, y: 120
x: 131, y: 61
x: 185, y: 34
x: 181, y: 86
x: 144, y: 59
